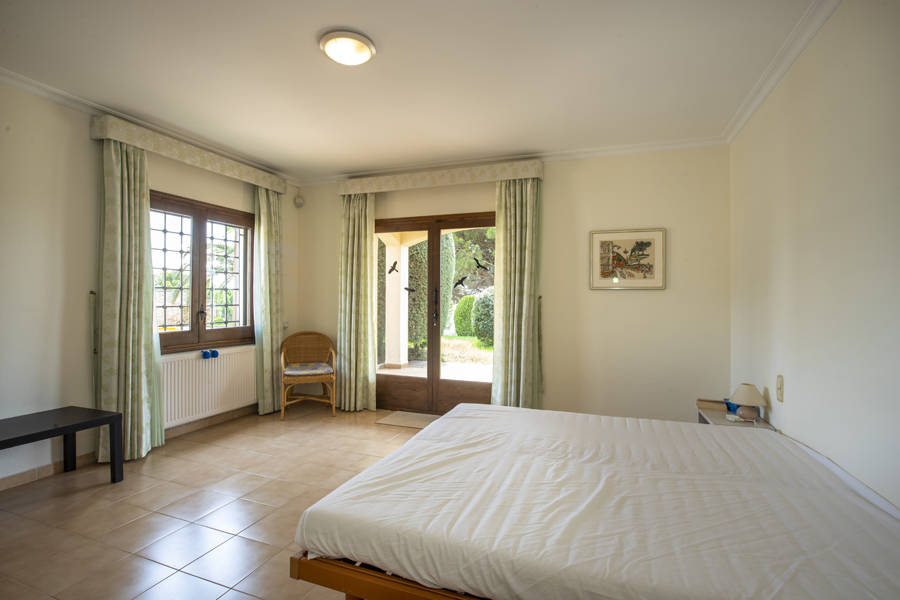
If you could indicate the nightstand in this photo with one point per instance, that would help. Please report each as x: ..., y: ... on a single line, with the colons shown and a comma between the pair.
x: 712, y: 412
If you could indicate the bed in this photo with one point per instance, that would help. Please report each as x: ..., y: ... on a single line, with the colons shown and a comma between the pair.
x: 497, y: 502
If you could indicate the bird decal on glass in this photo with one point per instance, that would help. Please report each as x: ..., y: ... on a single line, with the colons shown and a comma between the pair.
x: 410, y: 290
x: 478, y: 264
x: 460, y: 282
x: 393, y: 268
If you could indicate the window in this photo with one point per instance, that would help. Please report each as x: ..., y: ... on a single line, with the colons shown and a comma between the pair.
x: 202, y: 273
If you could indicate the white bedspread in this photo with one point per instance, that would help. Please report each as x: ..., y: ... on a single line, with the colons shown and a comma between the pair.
x: 514, y: 503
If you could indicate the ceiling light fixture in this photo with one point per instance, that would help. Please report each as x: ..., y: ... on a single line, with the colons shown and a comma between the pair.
x: 347, y: 47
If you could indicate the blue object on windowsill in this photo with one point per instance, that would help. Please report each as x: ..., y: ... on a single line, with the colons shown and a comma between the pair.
x: 214, y: 353
x: 205, y: 354
x: 731, y: 406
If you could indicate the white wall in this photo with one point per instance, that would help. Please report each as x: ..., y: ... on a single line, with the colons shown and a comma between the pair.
x: 636, y: 353
x: 50, y: 181
x: 815, y: 187
x: 639, y: 353
x: 50, y: 191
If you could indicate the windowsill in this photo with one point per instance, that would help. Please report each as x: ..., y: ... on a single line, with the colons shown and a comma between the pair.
x: 181, y: 348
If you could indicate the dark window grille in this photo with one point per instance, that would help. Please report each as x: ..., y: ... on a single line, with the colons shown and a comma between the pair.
x: 202, y: 273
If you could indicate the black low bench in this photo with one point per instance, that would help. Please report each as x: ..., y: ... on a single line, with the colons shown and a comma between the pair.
x: 65, y: 421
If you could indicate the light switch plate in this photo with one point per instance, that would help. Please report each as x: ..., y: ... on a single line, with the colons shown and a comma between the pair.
x: 779, y: 388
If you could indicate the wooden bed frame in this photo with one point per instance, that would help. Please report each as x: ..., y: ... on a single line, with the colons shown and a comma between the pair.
x: 363, y: 582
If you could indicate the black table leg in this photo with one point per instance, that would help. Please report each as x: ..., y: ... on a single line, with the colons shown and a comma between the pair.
x: 69, y: 451
x: 115, y: 450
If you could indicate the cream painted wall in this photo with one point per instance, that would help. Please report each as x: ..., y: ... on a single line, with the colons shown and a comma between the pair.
x: 474, y: 197
x: 635, y: 353
x: 50, y: 181
x: 638, y: 353
x: 815, y: 188
x: 174, y: 177
x: 50, y: 189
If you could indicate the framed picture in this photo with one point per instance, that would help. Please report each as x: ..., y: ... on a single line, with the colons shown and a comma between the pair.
x: 628, y: 259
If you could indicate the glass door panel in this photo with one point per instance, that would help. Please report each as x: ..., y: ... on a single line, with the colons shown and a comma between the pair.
x: 467, y: 304
x: 402, y: 304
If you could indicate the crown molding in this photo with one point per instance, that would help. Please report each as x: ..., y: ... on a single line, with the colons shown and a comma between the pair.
x: 816, y: 14
x: 563, y: 155
x: 93, y: 108
x: 796, y: 42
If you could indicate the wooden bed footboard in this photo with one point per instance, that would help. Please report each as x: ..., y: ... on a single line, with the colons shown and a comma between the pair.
x: 362, y: 582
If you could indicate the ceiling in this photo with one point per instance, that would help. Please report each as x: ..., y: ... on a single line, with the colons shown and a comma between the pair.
x: 452, y: 82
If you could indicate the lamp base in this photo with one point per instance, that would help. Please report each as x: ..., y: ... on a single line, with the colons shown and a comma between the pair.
x: 748, y: 413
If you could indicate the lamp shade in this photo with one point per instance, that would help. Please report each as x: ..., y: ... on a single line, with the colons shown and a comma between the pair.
x: 746, y: 394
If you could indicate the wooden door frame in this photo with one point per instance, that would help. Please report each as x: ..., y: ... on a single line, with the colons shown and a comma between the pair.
x: 433, y: 224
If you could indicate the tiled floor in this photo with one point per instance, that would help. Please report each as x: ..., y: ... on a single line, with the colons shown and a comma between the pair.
x: 209, y: 515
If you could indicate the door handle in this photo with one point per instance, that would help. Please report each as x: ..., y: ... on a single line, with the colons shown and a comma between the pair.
x: 435, y: 314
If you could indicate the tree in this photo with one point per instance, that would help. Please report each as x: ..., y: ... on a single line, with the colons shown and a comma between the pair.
x: 483, y: 317
x: 418, y: 300
x: 462, y: 316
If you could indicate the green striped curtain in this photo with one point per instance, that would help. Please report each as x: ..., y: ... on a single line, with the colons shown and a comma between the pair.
x: 267, y: 299
x: 517, y: 360
x: 356, y: 337
x: 128, y: 377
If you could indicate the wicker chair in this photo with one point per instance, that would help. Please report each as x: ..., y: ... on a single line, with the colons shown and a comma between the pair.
x: 307, y: 357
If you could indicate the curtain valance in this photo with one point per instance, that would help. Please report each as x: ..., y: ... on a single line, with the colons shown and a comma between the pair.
x: 520, y: 169
x: 109, y: 127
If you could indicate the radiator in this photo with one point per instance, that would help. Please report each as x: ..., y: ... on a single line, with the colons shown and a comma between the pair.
x: 194, y: 388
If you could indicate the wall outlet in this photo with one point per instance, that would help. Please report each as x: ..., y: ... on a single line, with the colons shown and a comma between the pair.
x: 779, y: 388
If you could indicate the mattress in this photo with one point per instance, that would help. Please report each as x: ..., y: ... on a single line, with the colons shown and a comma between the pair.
x: 505, y: 503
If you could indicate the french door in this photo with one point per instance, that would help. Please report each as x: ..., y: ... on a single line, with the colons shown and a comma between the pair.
x: 434, y: 312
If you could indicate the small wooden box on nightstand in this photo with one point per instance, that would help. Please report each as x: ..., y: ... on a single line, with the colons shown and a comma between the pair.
x: 713, y: 412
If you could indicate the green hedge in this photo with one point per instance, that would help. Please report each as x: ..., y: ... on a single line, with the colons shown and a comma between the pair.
x: 483, y: 317
x: 462, y: 317
x: 382, y: 309
x: 418, y: 300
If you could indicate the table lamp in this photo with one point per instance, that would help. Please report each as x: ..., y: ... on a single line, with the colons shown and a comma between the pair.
x: 748, y: 399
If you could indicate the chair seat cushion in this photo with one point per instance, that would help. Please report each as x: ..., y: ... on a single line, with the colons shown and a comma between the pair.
x: 302, y: 369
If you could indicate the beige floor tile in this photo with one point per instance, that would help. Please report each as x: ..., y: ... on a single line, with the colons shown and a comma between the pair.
x: 277, y: 469
x: 323, y: 593
x: 236, y: 595
x: 232, y: 561
x: 239, y: 484
x: 129, y: 486
x: 160, y: 495
x: 20, y: 551
x: 181, y: 585
x: 184, y: 546
x: 195, y: 506
x: 270, y: 466
x: 272, y: 580
x: 316, y: 475
x: 279, y: 527
x: 201, y: 475
x: 142, y: 532
x: 164, y: 467
x: 236, y: 516
x: 277, y: 492
x: 61, y: 506
x: 103, y: 519
x: 123, y: 579
x: 58, y: 570
x: 13, y: 590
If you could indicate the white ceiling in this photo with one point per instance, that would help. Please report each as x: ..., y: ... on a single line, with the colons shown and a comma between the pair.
x: 452, y: 82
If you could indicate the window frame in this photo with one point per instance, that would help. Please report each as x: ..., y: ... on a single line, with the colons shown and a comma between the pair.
x: 199, y: 337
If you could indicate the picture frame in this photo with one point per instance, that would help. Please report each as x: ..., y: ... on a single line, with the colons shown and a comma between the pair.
x: 628, y: 259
